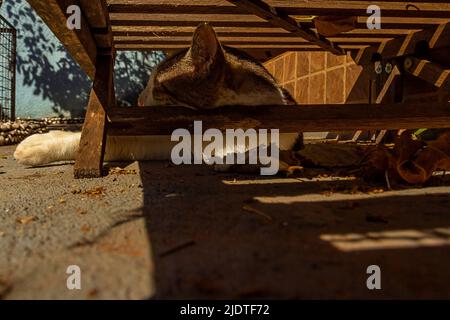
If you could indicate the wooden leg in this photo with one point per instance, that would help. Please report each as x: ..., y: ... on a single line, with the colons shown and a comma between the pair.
x: 392, y: 91
x: 89, y: 159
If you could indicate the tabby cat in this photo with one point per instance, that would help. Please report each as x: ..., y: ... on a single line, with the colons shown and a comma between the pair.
x: 207, y: 75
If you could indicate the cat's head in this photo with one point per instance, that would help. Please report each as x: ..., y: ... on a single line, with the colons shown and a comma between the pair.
x: 208, y: 75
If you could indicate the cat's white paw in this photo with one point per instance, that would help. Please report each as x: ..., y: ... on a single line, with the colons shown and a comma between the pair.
x: 35, y: 150
x: 46, y: 148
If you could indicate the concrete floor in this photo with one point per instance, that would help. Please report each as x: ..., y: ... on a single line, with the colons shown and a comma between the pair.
x: 188, y: 232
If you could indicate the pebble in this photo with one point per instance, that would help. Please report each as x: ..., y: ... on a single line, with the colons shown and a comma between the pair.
x: 15, y: 132
x: 12, y: 132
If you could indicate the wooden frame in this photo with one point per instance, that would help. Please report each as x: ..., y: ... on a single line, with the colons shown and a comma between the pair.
x: 264, y: 29
x: 153, y: 120
x: 89, y: 159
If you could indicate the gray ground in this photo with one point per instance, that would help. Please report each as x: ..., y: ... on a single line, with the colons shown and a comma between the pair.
x: 188, y: 232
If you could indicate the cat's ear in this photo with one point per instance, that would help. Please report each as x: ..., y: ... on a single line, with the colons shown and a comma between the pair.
x: 205, y: 48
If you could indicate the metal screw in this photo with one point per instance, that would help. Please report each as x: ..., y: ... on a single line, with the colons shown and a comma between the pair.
x: 378, y: 67
x: 408, y: 63
x: 388, y: 68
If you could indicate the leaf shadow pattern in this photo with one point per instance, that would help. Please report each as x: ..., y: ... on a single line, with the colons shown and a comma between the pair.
x: 132, y: 71
x: 50, y: 72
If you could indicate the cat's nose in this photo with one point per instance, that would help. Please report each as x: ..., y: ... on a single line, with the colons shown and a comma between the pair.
x: 204, y: 30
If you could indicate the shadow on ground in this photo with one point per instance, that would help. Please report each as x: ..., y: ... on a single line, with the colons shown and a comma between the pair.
x: 218, y: 236
x: 155, y: 230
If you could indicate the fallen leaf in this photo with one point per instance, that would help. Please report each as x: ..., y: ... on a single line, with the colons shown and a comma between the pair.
x: 412, y: 160
x: 93, y: 293
x: 258, y: 212
x: 81, y: 211
x: 418, y: 166
x: 85, y: 228
x: 26, y: 219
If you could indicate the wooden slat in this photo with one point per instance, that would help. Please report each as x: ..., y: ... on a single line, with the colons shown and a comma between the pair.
x: 173, y: 9
x: 429, y: 71
x: 155, y: 23
x: 437, y: 37
x: 263, y: 10
x: 79, y: 43
x: 237, y: 40
x: 163, y: 120
x: 392, y: 92
x: 315, y: 8
x: 186, y: 21
x: 387, y: 92
x: 186, y: 17
x: 96, y: 12
x: 245, y: 47
x: 233, y: 42
x: 355, y: 34
x: 276, y: 3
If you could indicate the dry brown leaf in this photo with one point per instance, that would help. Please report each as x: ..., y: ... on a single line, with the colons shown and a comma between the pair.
x: 412, y: 160
x: 93, y: 293
x: 81, y: 211
x: 85, y: 228
x: 416, y: 164
x: 258, y: 212
x: 26, y: 219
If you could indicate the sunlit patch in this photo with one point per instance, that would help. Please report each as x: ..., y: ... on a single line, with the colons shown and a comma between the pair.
x: 260, y: 181
x: 405, y: 44
x: 443, y: 78
x: 437, y: 35
x: 339, y: 196
x: 285, y: 180
x: 420, y: 67
x: 393, y: 239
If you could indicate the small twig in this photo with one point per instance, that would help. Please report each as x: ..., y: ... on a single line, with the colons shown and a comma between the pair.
x: 258, y: 212
x: 386, y: 176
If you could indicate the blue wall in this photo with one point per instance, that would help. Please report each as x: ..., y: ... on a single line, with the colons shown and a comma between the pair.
x: 49, y: 82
